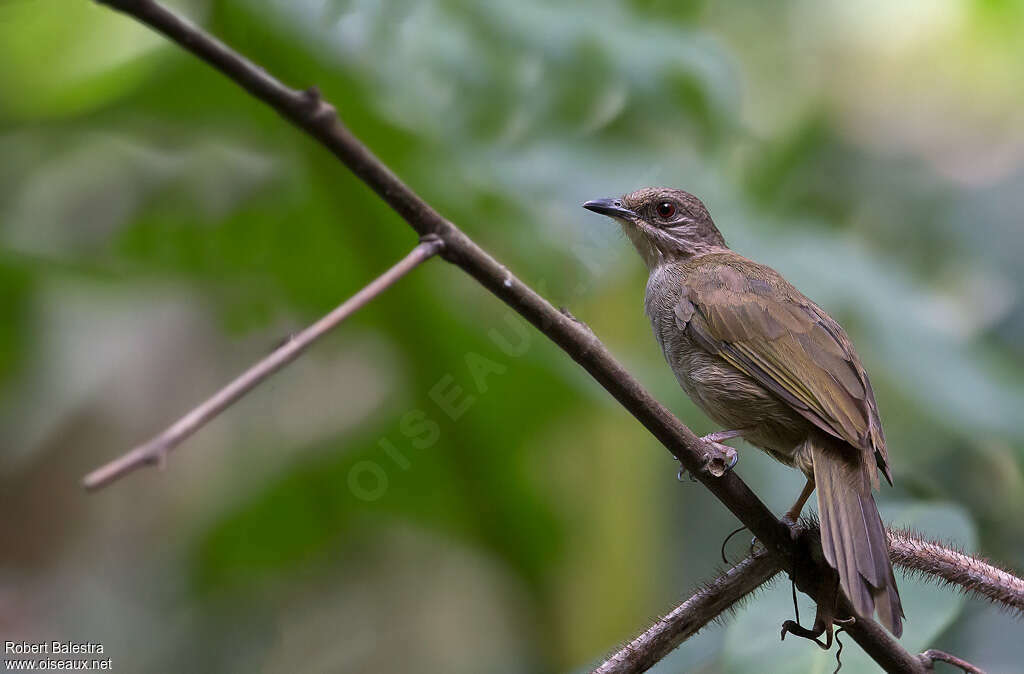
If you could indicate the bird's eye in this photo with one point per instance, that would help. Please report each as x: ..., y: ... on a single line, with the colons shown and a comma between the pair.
x: 665, y: 209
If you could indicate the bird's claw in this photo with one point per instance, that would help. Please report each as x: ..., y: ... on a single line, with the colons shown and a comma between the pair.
x: 683, y: 473
x: 796, y: 629
x: 719, y: 459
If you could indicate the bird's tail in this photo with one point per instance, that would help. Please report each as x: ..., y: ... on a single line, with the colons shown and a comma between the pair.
x: 853, y: 538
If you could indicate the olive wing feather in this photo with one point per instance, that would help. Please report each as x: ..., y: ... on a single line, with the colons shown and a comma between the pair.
x: 766, y: 328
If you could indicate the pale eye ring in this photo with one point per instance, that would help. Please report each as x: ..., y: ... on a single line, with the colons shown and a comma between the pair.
x: 665, y: 209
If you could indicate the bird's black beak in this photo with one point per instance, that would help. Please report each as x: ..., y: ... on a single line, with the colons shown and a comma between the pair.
x: 610, y: 207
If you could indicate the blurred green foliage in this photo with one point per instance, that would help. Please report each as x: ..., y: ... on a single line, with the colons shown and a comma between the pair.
x: 874, y: 156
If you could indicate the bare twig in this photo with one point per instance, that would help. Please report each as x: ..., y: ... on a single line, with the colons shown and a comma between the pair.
x: 685, y: 620
x: 931, y: 656
x: 946, y: 563
x: 155, y: 450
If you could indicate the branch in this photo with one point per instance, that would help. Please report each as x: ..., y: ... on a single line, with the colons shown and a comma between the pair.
x: 707, y: 604
x: 155, y: 451
x: 311, y: 114
x: 955, y: 567
x: 908, y: 551
x: 931, y: 656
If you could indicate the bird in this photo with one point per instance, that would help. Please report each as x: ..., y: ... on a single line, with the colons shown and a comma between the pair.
x: 771, y: 366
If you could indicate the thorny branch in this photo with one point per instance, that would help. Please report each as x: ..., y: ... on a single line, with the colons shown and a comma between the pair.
x: 706, y: 605
x: 309, y: 112
x: 909, y: 552
x: 954, y: 567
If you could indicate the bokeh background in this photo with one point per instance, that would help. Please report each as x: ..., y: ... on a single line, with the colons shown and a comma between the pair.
x: 159, y: 230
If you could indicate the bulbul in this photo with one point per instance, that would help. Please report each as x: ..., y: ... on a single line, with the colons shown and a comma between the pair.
x: 768, y: 364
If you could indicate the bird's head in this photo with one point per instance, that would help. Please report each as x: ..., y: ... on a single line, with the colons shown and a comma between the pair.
x: 664, y: 224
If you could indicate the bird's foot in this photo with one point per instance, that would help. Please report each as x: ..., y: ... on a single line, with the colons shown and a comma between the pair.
x: 719, y: 459
x: 796, y: 629
x: 825, y: 618
x: 822, y: 624
x: 820, y: 627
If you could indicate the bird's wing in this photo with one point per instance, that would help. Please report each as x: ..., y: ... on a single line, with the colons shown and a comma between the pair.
x: 766, y: 328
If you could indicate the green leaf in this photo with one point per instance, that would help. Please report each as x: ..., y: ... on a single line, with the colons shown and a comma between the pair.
x: 63, y: 58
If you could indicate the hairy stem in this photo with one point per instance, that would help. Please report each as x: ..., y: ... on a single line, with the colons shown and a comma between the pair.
x: 910, y: 552
x: 685, y: 620
x: 970, y: 573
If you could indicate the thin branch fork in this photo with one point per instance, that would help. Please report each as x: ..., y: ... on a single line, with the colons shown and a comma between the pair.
x: 307, y: 111
x: 155, y: 451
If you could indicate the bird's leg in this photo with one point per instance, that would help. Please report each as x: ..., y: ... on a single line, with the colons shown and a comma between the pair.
x: 719, y: 459
x: 825, y: 592
x: 793, y: 514
x: 721, y: 435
